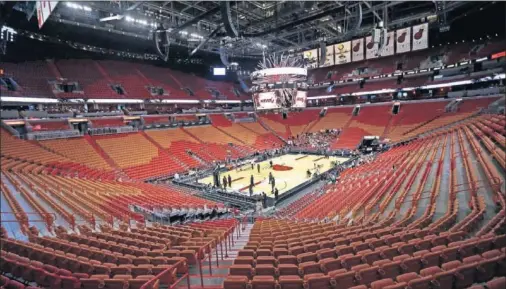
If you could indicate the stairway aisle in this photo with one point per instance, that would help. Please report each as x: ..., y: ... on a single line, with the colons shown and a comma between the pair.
x: 219, y: 273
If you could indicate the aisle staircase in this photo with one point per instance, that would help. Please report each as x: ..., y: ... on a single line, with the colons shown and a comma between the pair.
x: 215, y: 278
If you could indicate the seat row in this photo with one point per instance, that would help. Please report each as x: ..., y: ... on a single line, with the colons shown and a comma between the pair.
x: 381, y: 274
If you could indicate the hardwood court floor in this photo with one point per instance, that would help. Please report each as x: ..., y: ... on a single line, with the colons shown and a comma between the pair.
x: 285, y: 180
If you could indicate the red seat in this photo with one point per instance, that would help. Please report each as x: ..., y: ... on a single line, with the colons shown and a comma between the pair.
x: 290, y: 282
x: 344, y: 280
x: 390, y: 270
x: 380, y: 284
x: 317, y: 281
x: 287, y: 269
x: 235, y: 282
x: 241, y: 270
x: 367, y: 275
x: 263, y: 282
x: 497, y: 283
x: 265, y: 270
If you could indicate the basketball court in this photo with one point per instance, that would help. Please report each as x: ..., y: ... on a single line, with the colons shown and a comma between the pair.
x: 288, y: 170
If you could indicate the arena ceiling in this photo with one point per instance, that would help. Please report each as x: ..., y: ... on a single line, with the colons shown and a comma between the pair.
x: 271, y: 26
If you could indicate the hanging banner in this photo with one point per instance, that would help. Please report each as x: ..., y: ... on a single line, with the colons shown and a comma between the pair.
x: 329, y: 58
x: 44, y: 9
x: 388, y: 49
x: 421, y: 36
x: 371, y: 48
x: 342, y: 52
x: 357, y: 51
x: 311, y: 58
x: 403, y: 40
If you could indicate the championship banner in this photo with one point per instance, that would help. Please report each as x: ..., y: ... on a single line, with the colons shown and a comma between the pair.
x: 388, y: 49
x: 300, y: 100
x: 329, y: 57
x: 342, y: 52
x: 421, y: 36
x: 403, y: 40
x: 311, y: 58
x: 357, y: 52
x: 371, y: 48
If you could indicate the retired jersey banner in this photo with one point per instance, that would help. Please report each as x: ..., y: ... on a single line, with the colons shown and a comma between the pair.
x: 420, y: 36
x: 357, y: 49
x: 329, y: 57
x: 403, y: 40
x: 311, y: 58
x: 342, y: 52
x: 44, y: 9
x: 388, y: 49
x: 371, y: 48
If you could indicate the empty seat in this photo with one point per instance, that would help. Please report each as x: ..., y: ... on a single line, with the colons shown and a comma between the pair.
x: 380, y: 284
x: 241, y: 270
x: 317, y: 281
x: 497, y: 283
x: 235, y: 282
x: 290, y: 282
x: 263, y: 282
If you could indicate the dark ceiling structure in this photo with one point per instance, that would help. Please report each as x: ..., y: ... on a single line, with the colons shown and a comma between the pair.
x: 240, y: 29
x: 247, y: 28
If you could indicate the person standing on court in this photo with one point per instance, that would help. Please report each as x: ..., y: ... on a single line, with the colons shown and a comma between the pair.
x: 270, y: 162
x: 276, y: 194
x: 229, y: 181
x: 250, y: 190
x: 270, y: 177
x: 224, y: 182
x: 258, y: 168
x: 252, y: 181
x: 273, y: 183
